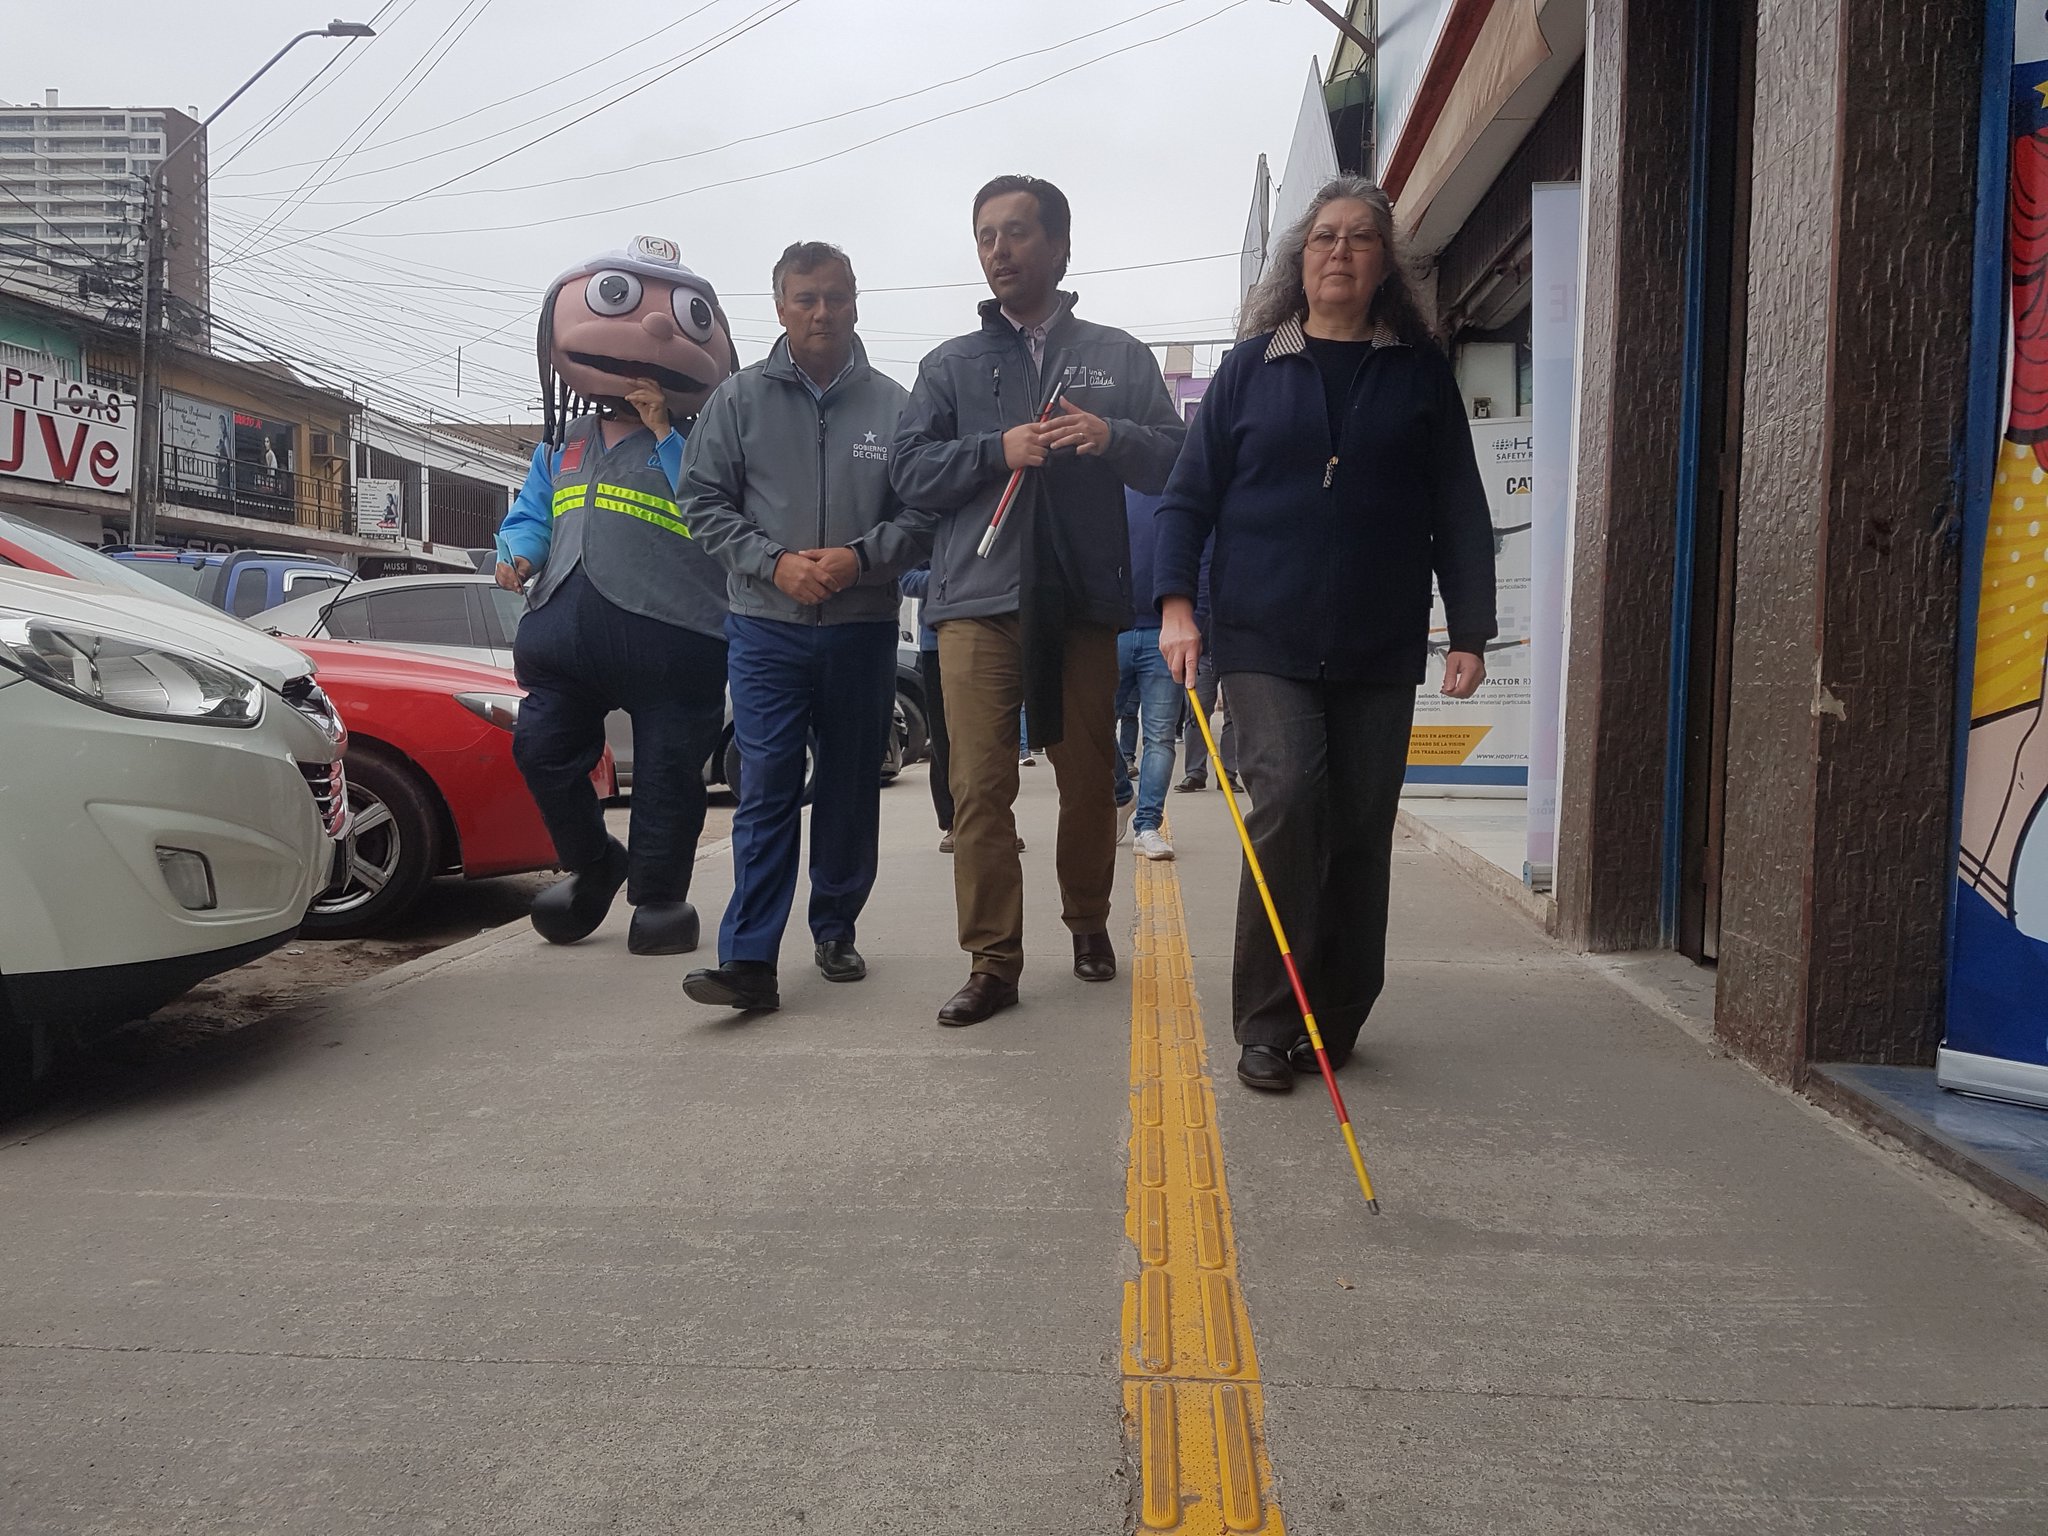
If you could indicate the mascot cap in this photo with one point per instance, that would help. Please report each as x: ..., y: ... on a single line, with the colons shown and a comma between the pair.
x: 647, y: 256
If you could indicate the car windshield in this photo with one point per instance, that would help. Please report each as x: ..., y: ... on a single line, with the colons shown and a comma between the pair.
x: 82, y: 564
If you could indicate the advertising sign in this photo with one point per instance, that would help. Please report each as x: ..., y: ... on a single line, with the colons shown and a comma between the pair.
x: 59, y: 431
x: 380, y: 509
x: 1997, y: 1040
x: 1481, y: 744
x: 197, y: 426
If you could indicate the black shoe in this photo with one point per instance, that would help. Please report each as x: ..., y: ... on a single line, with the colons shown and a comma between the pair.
x: 838, y: 960
x: 748, y: 985
x: 1266, y: 1068
x: 663, y: 928
x: 982, y: 998
x: 1191, y: 783
x: 1236, y: 785
x: 572, y: 909
x: 1094, y: 958
x: 1303, y: 1055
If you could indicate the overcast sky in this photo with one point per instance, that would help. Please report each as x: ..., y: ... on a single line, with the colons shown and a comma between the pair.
x: 368, y: 265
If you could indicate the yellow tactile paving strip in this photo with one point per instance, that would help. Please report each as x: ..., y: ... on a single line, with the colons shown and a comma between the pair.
x: 1192, y: 1402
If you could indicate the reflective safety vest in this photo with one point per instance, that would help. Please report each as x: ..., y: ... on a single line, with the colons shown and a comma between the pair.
x: 615, y: 515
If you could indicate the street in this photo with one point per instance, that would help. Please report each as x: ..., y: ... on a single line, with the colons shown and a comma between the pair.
x: 514, y: 1239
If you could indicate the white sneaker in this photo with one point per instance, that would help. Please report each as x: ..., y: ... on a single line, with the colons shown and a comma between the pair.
x: 1152, y: 846
x: 1124, y: 813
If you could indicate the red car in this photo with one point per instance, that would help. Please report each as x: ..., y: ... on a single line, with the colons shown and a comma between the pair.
x: 431, y: 780
x: 432, y: 785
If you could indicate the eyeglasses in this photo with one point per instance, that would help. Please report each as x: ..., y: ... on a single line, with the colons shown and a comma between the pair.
x: 1324, y: 241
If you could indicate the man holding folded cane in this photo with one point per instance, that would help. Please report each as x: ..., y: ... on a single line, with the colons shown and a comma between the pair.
x: 1033, y: 621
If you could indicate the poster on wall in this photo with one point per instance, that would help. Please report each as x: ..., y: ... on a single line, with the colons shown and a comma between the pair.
x: 195, y: 426
x: 380, y: 509
x: 1480, y: 745
x: 1997, y: 1036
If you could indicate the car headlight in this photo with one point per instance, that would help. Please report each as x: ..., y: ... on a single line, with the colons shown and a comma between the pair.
x: 127, y: 675
x: 305, y: 695
x: 501, y: 709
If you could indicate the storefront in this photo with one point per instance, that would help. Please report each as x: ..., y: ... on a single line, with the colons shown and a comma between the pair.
x: 228, y: 459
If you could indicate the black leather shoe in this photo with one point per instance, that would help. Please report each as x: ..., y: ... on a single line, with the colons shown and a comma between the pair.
x: 748, y: 985
x: 1266, y: 1068
x: 1191, y: 783
x: 983, y: 997
x: 838, y: 960
x: 663, y: 928
x: 1303, y: 1055
x: 1094, y: 960
x: 572, y: 909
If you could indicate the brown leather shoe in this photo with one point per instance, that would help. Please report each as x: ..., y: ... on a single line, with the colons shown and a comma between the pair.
x: 1094, y: 959
x: 983, y: 997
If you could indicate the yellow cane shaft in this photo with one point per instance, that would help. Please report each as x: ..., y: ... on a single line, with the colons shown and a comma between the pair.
x: 1358, y: 1164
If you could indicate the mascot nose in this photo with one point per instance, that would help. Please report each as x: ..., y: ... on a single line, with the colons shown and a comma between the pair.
x: 661, y: 325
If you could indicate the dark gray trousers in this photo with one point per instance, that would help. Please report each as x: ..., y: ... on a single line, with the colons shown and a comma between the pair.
x: 1322, y: 764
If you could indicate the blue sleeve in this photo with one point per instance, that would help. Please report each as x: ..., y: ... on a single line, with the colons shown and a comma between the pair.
x: 915, y: 583
x: 529, y: 528
x: 1187, y: 517
x: 669, y: 454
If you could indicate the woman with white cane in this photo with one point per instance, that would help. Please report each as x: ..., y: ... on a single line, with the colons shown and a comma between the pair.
x: 1333, y: 464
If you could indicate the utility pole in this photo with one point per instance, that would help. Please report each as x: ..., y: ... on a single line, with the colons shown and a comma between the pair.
x: 150, y: 345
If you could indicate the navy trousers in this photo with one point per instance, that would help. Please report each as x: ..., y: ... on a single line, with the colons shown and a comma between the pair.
x: 828, y: 688
x: 579, y: 656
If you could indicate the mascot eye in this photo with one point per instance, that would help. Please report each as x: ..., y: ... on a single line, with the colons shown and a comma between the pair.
x: 693, y: 314
x: 613, y: 293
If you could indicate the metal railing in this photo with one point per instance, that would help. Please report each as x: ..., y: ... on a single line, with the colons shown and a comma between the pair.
x: 241, y: 489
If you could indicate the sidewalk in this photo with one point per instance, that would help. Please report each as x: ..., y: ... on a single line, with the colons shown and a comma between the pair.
x: 528, y: 1243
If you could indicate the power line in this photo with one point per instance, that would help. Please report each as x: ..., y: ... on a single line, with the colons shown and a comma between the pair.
x: 766, y: 14
x: 643, y: 166
x: 733, y: 181
x: 348, y: 52
x: 548, y: 84
x: 465, y: 18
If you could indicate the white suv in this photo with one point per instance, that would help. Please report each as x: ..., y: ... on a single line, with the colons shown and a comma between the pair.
x: 170, y: 802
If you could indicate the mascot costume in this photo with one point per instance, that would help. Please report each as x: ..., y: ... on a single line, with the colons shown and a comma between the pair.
x: 625, y: 612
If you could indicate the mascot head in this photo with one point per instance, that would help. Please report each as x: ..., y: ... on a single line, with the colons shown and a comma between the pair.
x: 625, y: 315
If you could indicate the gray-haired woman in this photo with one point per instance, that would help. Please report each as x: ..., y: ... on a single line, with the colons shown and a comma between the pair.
x: 1333, y: 463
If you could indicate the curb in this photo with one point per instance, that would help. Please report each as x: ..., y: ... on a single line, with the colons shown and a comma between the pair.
x: 1479, y: 869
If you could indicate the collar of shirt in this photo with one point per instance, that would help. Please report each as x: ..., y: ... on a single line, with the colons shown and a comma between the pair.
x: 818, y: 390
x: 1034, y: 335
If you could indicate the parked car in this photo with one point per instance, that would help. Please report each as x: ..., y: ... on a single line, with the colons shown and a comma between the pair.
x: 243, y: 583
x: 432, y: 786
x: 425, y: 729
x: 172, y: 797
x: 475, y: 618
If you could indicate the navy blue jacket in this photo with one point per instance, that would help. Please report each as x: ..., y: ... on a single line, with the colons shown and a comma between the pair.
x: 1141, y: 511
x: 1324, y: 554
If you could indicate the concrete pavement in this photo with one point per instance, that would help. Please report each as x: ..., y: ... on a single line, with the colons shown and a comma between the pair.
x: 526, y: 1242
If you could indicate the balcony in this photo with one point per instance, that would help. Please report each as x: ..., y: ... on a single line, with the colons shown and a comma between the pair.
x: 241, y: 489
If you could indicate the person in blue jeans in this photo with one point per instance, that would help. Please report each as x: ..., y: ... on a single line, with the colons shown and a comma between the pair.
x: 1143, y: 670
x: 786, y: 485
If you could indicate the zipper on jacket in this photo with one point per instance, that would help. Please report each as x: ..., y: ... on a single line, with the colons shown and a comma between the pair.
x: 818, y: 613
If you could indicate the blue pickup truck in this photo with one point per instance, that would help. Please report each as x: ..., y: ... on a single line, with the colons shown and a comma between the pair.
x: 243, y: 583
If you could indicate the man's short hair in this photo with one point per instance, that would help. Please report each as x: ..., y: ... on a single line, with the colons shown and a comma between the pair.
x: 807, y: 256
x: 1055, y: 217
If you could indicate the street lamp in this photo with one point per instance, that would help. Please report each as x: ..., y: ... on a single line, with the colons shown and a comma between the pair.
x: 142, y: 503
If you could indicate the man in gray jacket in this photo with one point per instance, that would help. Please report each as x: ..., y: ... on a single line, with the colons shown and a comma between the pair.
x: 1033, y: 622
x: 786, y: 485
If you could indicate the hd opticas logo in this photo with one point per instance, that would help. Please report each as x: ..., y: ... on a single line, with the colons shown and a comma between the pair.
x: 62, y: 432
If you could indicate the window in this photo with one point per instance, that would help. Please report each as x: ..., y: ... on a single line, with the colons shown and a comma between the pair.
x: 502, y: 612
x: 348, y: 619
x: 302, y: 583
x: 422, y: 616
x: 252, y: 592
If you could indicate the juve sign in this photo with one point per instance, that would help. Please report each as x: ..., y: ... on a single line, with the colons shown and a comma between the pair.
x: 62, y: 432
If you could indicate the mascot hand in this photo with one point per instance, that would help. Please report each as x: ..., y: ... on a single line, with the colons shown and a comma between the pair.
x: 513, y: 577
x: 645, y: 397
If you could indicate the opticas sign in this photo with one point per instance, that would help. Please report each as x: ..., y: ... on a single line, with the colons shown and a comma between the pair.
x: 62, y: 432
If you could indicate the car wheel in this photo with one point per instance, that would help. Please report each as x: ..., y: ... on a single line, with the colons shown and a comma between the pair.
x: 916, y: 728
x: 390, y: 850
